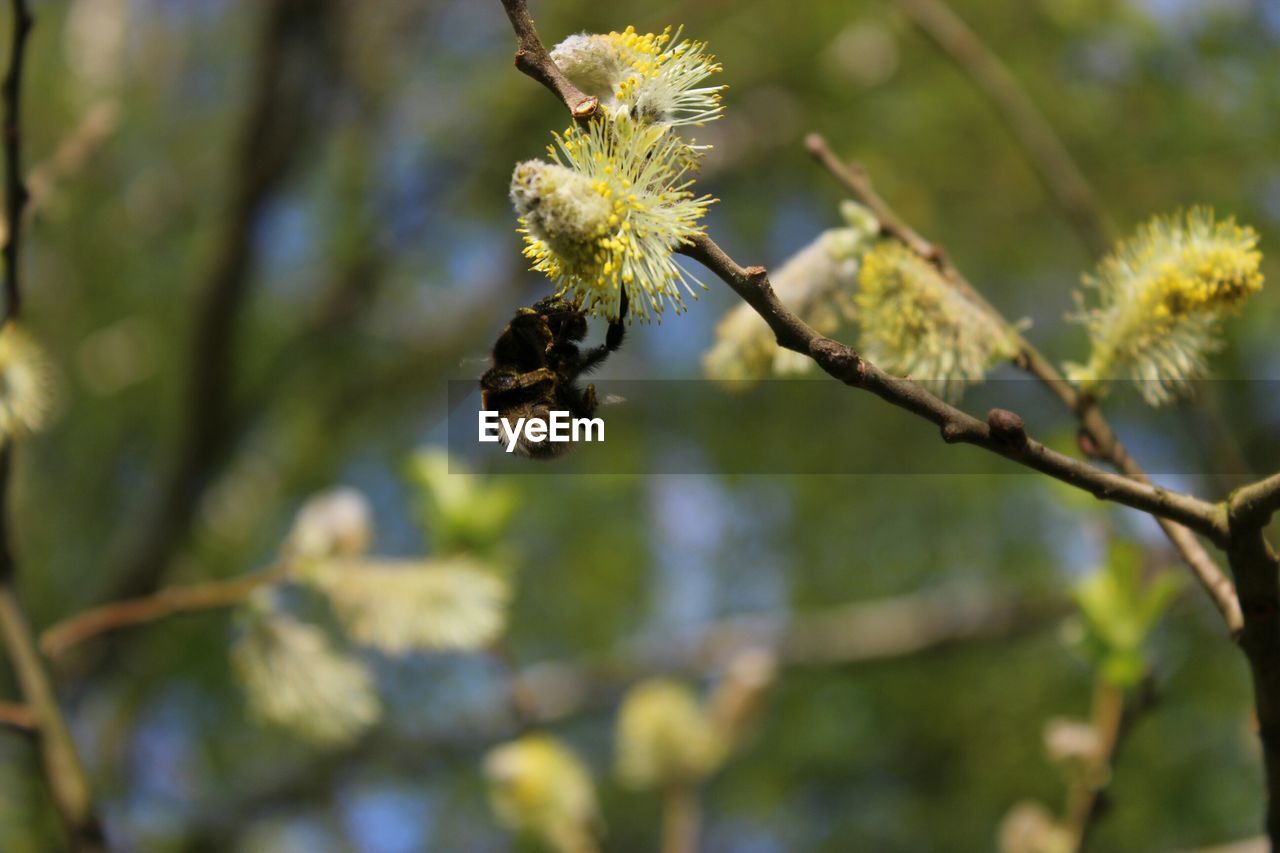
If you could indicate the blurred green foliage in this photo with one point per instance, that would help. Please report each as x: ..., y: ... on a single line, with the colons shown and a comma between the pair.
x: 1118, y: 609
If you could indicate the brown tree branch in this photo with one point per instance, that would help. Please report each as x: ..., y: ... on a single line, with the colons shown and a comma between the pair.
x: 1049, y: 158
x: 60, y: 637
x: 16, y: 194
x: 1254, y: 505
x: 1002, y: 434
x: 1255, y: 567
x: 752, y: 285
x: 1101, y: 440
x: 63, y: 770
x: 532, y: 58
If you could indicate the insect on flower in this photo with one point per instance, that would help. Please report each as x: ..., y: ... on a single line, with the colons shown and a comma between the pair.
x: 536, y: 365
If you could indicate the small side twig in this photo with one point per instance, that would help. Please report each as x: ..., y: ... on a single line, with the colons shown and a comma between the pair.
x: 15, y: 187
x: 74, y: 630
x: 1113, y: 716
x: 533, y: 59
x: 1254, y: 505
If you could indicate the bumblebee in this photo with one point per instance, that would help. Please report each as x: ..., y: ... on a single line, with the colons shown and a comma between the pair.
x: 537, y: 363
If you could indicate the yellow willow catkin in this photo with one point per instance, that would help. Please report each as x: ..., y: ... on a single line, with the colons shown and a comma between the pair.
x: 648, y: 77
x: 606, y: 215
x: 538, y: 787
x: 665, y: 737
x: 913, y: 322
x: 1161, y: 297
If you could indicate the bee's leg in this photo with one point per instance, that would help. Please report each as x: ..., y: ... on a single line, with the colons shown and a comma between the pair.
x: 612, y: 339
x: 506, y: 379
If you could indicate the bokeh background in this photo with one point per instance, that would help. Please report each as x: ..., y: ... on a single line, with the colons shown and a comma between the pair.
x: 346, y: 234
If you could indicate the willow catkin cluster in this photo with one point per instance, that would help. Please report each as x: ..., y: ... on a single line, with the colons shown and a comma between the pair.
x: 311, y: 676
x: 400, y: 606
x: 1161, y: 297
x: 295, y: 676
x: 913, y: 322
x: 605, y: 213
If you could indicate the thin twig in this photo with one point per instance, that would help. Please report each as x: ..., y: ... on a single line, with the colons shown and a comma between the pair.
x: 1112, y: 717
x: 70, y: 157
x: 1254, y: 505
x: 1003, y: 433
x: 62, y: 636
x: 63, y: 770
x: 1102, y: 441
x: 532, y: 58
x: 1052, y: 162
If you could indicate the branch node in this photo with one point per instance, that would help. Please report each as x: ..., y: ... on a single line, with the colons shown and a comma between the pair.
x: 838, y: 360
x: 586, y: 108
x: 1007, y: 427
x: 952, y: 432
x: 1088, y: 446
